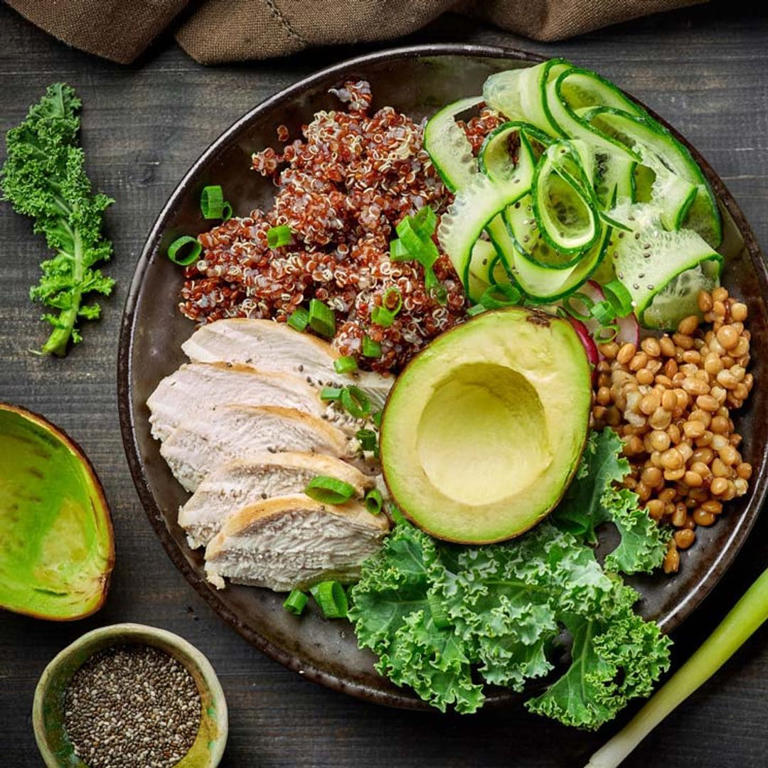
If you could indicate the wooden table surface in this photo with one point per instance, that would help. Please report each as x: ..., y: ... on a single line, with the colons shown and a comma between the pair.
x: 704, y: 69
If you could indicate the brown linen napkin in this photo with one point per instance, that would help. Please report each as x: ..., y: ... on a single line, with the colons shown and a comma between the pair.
x: 216, y: 31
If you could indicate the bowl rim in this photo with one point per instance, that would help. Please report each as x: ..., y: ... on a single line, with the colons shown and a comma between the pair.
x: 404, y: 700
x: 128, y: 633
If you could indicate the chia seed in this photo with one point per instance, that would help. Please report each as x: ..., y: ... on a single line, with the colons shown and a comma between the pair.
x: 132, y: 706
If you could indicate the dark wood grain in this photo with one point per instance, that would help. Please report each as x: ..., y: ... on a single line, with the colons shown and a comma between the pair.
x: 703, y: 69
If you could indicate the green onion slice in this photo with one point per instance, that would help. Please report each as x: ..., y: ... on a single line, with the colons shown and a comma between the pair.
x: 212, y: 203
x: 500, y: 296
x: 439, y: 614
x: 322, y: 319
x: 374, y: 501
x: 606, y: 333
x: 476, y: 309
x: 582, y: 311
x: 424, y: 222
x: 345, y: 364
x: 382, y: 316
x: 398, y: 251
x: 355, y: 402
x: 392, y: 300
x: 329, y: 490
x: 279, y: 236
x: 377, y: 418
x: 185, y: 243
x: 618, y: 297
x: 299, y: 319
x: 331, y: 598
x: 604, y: 313
x: 368, y: 439
x: 295, y: 602
x: 371, y: 348
x: 226, y: 213
x: 331, y: 393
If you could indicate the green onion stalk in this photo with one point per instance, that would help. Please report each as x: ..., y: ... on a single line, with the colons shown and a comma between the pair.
x: 734, y: 630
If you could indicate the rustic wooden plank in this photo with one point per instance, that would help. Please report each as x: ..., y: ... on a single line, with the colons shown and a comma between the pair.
x: 702, y: 68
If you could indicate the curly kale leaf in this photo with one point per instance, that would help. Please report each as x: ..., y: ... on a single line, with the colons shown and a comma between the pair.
x: 594, y: 498
x: 44, y: 178
x: 445, y: 619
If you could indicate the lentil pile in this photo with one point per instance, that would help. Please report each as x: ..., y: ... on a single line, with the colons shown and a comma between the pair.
x: 132, y: 706
x: 341, y: 189
x: 672, y: 401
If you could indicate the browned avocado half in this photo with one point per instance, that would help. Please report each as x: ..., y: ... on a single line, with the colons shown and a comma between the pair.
x: 56, y: 541
x: 485, y: 427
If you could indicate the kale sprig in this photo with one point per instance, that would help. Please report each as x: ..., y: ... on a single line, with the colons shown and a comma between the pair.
x: 44, y: 178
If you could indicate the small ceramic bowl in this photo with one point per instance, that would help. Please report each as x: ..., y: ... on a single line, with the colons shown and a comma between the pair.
x: 48, y: 707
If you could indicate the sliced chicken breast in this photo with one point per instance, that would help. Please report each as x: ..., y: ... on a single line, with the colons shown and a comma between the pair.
x: 237, y: 484
x: 272, y: 346
x: 293, y: 542
x: 201, y: 386
x: 200, y: 444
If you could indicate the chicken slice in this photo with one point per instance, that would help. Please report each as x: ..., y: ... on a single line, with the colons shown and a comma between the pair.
x: 229, y: 432
x: 242, y: 483
x: 200, y: 386
x: 293, y: 542
x: 273, y: 346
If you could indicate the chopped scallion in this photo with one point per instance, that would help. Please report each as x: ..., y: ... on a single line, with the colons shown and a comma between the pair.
x: 371, y: 348
x: 331, y: 598
x: 345, y: 364
x: 476, y: 309
x: 392, y: 299
x: 500, y: 296
x: 398, y: 251
x: 212, y: 203
x: 579, y: 305
x: 279, y: 236
x: 184, y: 244
x: 382, y: 317
x: 322, y: 320
x: 329, y: 490
x: 368, y: 439
x: 331, y: 393
x: 299, y: 319
x: 438, y: 611
x: 377, y: 418
x: 618, y: 297
x: 355, y: 402
x: 296, y: 602
x: 603, y: 312
x: 374, y: 501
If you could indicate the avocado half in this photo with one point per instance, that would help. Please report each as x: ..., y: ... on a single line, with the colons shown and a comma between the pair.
x: 56, y: 540
x: 484, y: 428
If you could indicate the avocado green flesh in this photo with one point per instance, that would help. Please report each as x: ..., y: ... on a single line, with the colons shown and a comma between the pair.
x: 484, y: 429
x: 56, y: 549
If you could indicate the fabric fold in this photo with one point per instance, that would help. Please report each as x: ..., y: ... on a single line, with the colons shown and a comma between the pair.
x: 219, y: 31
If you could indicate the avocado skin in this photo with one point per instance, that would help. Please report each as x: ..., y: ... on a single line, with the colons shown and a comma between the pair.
x: 57, y: 552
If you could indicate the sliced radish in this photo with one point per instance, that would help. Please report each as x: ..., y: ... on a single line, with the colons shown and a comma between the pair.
x: 587, y: 342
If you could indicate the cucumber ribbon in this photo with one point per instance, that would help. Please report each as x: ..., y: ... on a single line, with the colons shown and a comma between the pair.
x: 580, y: 178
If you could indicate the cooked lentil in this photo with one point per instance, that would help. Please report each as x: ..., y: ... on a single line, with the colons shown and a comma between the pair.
x: 677, y: 426
x: 132, y: 706
x: 341, y: 189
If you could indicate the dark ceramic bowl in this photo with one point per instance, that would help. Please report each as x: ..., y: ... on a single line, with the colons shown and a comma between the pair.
x: 414, y: 80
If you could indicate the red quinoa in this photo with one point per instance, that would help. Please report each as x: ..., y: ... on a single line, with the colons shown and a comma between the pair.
x: 341, y: 189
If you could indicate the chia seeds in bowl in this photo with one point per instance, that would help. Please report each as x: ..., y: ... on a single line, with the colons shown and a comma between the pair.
x: 132, y: 706
x: 130, y: 696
